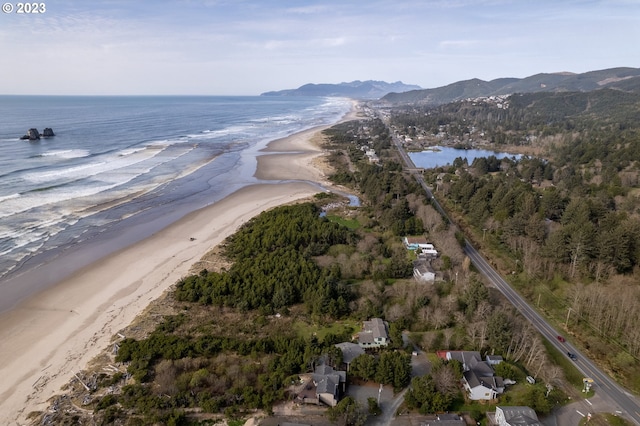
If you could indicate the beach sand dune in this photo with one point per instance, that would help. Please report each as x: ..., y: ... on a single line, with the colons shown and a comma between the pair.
x: 53, y: 334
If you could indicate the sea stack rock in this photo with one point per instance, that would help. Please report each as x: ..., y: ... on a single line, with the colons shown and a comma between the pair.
x: 32, y: 135
x: 48, y: 132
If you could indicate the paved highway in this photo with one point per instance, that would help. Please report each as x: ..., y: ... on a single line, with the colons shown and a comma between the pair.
x: 619, y: 399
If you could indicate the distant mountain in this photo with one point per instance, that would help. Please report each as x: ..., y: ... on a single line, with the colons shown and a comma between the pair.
x: 356, y: 89
x: 625, y: 79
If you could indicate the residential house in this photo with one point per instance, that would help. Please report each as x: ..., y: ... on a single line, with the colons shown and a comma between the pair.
x: 375, y: 333
x: 415, y: 243
x: 516, y: 416
x: 371, y: 155
x: 464, y: 357
x: 478, y: 379
x: 326, y: 386
x: 444, y: 419
x: 350, y: 351
x: 426, y: 249
x: 493, y: 359
x: 482, y: 387
x: 423, y: 272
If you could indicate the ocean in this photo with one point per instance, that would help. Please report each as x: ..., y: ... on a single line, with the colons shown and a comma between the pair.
x: 127, y: 165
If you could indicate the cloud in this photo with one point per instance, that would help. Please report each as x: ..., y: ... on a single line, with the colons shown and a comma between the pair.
x: 132, y: 47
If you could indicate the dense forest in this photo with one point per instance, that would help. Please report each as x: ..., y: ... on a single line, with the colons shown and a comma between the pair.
x: 567, y: 218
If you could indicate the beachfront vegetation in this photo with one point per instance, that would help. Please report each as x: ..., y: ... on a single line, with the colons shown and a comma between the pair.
x: 273, y: 266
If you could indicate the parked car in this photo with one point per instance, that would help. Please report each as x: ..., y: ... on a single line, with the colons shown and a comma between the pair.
x: 560, y: 339
x: 572, y: 356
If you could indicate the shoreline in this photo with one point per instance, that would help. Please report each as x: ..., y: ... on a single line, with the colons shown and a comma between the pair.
x: 58, y: 331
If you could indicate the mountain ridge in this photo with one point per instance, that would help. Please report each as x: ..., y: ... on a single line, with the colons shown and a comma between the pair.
x: 622, y: 78
x: 369, y: 89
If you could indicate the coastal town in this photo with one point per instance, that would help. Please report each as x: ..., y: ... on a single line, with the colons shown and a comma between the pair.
x: 392, y: 371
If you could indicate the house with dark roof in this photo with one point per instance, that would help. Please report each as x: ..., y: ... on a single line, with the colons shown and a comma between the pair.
x: 325, y: 387
x: 350, y: 351
x: 482, y: 387
x: 494, y: 359
x: 465, y: 357
x: 374, y: 334
x: 443, y: 419
x: 516, y: 416
x: 478, y: 378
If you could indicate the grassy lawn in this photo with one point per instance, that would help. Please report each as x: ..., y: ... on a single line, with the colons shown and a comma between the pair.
x: 560, y: 358
x: 349, y: 223
x: 306, y: 330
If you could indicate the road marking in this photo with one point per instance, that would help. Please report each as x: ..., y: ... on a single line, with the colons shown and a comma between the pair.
x: 579, y: 413
x: 588, y: 402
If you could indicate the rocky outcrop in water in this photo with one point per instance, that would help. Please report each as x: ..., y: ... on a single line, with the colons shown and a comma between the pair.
x: 34, y: 135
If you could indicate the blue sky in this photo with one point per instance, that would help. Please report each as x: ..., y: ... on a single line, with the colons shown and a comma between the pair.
x: 236, y: 47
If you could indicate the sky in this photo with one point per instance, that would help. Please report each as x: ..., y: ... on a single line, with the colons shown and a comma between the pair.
x: 238, y: 47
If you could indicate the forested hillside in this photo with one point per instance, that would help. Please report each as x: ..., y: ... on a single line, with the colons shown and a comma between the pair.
x: 566, y: 221
x: 619, y: 79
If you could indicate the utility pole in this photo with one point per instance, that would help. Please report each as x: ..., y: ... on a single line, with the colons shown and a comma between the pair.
x: 484, y: 230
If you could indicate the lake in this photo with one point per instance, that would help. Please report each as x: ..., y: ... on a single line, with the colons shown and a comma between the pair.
x: 440, y: 156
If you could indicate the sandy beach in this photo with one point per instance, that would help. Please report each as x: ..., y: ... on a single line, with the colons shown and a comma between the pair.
x: 51, y: 335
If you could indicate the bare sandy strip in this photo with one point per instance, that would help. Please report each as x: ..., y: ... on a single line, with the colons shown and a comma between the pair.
x: 49, y: 336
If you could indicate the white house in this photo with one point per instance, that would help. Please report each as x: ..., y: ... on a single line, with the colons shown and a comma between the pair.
x: 420, y: 243
x: 423, y: 272
x: 478, y: 379
x: 414, y: 243
x: 482, y: 387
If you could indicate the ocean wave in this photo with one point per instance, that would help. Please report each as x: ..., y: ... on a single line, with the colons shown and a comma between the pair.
x: 131, y: 151
x: 71, y: 172
x: 8, y: 197
x: 67, y: 153
x: 103, y: 164
x: 235, y: 130
x: 112, y: 180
